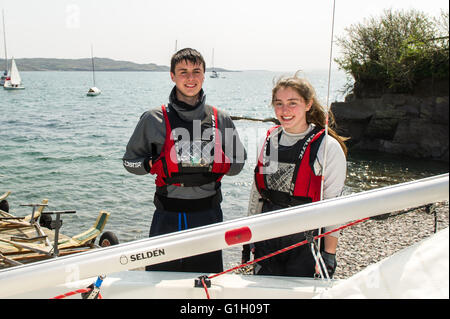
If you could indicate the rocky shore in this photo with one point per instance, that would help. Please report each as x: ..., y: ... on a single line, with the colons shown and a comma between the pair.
x: 414, y: 126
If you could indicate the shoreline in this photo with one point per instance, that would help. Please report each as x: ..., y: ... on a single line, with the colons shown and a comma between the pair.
x: 369, y: 242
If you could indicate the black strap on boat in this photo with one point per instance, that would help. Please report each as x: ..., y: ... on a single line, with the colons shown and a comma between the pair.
x: 94, y: 293
x: 202, y: 279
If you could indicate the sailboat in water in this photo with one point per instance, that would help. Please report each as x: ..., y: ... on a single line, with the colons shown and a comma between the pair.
x: 10, y: 79
x: 13, y: 80
x: 93, y: 91
x: 214, y: 73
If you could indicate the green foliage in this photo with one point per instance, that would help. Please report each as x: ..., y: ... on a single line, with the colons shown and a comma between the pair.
x: 394, y: 52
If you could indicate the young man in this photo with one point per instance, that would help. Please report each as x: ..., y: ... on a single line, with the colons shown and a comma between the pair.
x: 189, y: 146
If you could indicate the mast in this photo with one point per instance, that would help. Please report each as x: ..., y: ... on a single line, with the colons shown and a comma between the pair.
x: 4, y: 39
x: 93, y: 68
x: 327, y: 111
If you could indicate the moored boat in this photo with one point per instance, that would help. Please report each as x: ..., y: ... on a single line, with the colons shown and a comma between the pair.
x: 13, y: 81
x: 93, y: 91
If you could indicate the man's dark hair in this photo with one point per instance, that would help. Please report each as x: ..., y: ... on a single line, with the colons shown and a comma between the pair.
x: 188, y: 55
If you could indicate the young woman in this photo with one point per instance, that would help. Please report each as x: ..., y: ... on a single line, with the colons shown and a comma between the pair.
x: 289, y: 173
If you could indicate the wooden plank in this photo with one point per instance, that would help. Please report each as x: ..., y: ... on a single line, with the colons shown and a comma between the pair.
x: 38, y: 211
x: 9, y: 261
x: 21, y: 247
x: 91, y: 233
x: 13, y: 223
x: 27, y: 239
x: 4, y: 196
x: 33, y: 257
x: 7, y: 248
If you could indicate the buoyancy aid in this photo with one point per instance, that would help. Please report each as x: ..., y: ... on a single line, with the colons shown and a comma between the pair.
x: 193, y: 160
x: 289, y: 180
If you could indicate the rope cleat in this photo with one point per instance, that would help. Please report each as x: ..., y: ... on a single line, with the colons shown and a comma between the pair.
x: 202, y: 279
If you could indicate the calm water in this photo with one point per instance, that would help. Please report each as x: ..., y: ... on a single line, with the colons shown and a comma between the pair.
x: 57, y: 143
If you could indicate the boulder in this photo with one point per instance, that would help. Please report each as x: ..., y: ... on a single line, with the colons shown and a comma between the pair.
x: 410, y: 125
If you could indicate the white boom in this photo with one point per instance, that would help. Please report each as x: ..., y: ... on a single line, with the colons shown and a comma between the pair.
x: 222, y: 235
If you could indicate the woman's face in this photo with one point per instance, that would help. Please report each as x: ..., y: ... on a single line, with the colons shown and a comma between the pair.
x: 290, y: 110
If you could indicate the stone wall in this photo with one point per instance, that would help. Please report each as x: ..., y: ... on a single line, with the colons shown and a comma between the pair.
x: 415, y: 126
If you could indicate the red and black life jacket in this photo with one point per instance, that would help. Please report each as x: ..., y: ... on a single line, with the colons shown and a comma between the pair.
x: 194, y: 160
x: 291, y: 180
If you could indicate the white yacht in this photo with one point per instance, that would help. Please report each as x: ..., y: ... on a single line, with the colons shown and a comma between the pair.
x: 93, y: 91
x: 13, y: 81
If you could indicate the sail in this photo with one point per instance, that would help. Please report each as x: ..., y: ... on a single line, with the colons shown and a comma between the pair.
x: 419, y: 271
x: 15, y: 76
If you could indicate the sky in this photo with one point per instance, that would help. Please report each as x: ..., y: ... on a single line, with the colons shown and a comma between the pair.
x: 276, y: 35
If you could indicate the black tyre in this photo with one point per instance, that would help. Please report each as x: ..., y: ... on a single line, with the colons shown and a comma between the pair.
x: 108, y: 239
x: 46, y: 221
x: 4, y: 206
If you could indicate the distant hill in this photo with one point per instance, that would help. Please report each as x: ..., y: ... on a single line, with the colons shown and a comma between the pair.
x: 101, y: 64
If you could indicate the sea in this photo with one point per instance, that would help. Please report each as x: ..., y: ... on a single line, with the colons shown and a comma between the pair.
x: 57, y: 143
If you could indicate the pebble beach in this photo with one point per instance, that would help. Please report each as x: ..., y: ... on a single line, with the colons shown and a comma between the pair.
x: 371, y: 241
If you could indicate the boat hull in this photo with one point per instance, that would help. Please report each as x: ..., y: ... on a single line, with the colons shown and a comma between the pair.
x: 191, y: 242
x: 180, y: 285
x: 417, y: 272
x: 94, y: 91
x: 12, y: 88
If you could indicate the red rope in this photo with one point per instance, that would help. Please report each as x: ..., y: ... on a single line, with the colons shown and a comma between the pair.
x: 288, y: 248
x: 237, y: 267
x: 206, y: 288
x: 282, y: 251
x: 79, y: 291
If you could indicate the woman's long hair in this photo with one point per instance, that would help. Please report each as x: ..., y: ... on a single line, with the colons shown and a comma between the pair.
x: 316, y: 113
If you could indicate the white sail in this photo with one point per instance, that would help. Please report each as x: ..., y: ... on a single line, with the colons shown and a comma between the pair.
x: 417, y: 272
x: 13, y: 80
x: 15, y: 76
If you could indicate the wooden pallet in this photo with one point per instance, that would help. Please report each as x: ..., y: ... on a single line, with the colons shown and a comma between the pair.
x: 24, y: 240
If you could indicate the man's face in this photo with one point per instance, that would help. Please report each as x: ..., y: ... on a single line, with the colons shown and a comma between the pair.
x: 188, y: 78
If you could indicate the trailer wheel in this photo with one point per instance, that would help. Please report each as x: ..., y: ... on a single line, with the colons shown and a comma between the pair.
x: 108, y: 239
x: 4, y: 206
x: 46, y: 221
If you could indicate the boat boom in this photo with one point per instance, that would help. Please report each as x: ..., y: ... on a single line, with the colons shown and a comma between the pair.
x: 131, y: 255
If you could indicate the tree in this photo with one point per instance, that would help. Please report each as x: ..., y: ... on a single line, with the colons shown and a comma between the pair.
x: 394, y: 52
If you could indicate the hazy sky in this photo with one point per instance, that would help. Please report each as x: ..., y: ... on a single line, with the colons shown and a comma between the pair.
x: 278, y: 35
